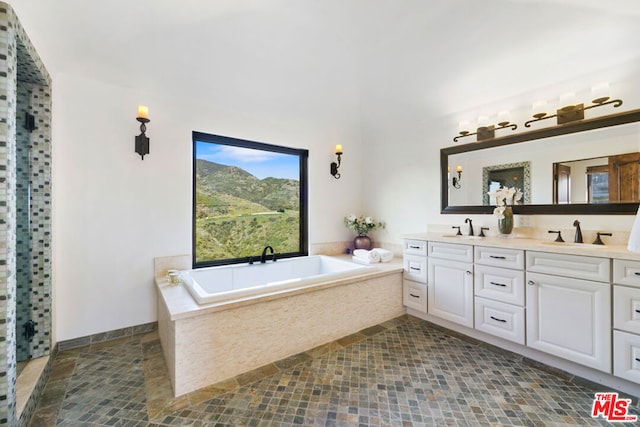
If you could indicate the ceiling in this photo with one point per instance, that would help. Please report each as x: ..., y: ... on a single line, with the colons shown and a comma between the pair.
x: 443, y: 54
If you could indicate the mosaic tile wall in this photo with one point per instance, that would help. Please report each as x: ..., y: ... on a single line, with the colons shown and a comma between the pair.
x: 19, y: 61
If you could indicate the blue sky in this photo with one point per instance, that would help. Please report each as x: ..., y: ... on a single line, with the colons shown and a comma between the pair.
x: 261, y: 164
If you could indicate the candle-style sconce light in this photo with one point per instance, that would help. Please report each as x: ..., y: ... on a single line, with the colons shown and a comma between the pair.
x: 334, y: 165
x: 569, y: 111
x: 486, y: 130
x: 142, y: 141
x: 456, y: 181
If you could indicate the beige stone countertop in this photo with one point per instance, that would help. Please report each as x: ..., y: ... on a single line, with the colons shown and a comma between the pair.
x: 181, y: 304
x: 529, y: 244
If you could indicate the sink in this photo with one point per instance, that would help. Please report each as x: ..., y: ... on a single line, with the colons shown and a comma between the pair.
x: 575, y: 245
x: 457, y: 236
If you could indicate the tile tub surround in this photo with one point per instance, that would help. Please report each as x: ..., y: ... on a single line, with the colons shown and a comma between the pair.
x: 205, y: 344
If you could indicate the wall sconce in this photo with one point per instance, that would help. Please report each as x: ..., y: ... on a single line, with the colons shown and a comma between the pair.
x: 142, y: 142
x: 486, y: 130
x: 456, y: 181
x: 29, y: 122
x: 334, y: 165
x: 569, y: 111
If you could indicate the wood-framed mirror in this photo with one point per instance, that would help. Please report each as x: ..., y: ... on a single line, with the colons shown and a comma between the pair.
x: 587, y: 145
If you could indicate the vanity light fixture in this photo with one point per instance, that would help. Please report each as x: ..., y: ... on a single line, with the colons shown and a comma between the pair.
x: 142, y: 141
x: 334, y: 165
x: 486, y: 130
x: 456, y: 181
x: 569, y: 111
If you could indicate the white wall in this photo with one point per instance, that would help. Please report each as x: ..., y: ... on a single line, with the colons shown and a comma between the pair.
x: 113, y: 212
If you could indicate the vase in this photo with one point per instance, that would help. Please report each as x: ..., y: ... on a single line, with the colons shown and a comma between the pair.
x: 505, y: 225
x: 362, y: 242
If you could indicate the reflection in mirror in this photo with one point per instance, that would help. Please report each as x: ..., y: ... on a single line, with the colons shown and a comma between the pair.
x: 516, y: 175
x: 610, y: 179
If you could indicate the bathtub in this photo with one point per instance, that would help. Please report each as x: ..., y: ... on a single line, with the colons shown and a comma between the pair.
x: 232, y: 282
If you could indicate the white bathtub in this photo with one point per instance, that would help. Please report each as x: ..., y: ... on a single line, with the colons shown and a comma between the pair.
x: 231, y: 282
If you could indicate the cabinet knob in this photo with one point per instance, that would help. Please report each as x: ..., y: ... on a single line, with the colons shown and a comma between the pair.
x: 469, y: 273
x: 531, y: 283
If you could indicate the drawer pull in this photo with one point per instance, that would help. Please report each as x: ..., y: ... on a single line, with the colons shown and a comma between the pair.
x: 414, y: 247
x: 637, y: 311
x: 637, y: 360
x: 637, y: 273
x: 415, y: 296
x: 498, y: 320
x: 498, y: 284
x: 414, y: 268
x: 497, y: 257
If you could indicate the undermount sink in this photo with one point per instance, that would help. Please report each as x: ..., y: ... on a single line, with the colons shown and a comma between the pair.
x: 463, y: 237
x: 575, y: 245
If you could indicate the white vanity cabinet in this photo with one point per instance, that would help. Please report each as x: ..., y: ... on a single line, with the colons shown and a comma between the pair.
x: 414, y: 287
x: 499, y: 292
x: 567, y: 315
x: 626, y: 319
x: 450, y: 278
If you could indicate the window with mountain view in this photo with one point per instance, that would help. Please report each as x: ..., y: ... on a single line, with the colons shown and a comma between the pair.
x: 246, y: 196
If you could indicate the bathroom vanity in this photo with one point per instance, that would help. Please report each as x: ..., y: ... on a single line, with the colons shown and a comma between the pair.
x: 572, y: 306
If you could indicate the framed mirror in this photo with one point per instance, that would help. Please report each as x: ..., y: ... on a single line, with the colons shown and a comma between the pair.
x: 584, y: 146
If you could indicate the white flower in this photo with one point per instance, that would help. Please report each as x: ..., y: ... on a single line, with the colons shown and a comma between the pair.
x: 368, y: 220
x: 351, y: 217
x: 504, y: 196
x: 499, y: 212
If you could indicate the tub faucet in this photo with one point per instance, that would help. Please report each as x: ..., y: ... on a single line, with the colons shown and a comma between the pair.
x: 263, y: 257
x: 468, y: 221
x: 578, y: 238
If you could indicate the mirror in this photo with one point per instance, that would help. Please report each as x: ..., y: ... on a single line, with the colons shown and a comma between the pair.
x: 588, y: 167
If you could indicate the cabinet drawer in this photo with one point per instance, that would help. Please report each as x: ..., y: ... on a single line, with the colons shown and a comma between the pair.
x: 626, y: 272
x: 499, y: 319
x: 451, y: 251
x: 415, y: 247
x: 414, y: 295
x: 415, y: 268
x: 626, y: 356
x: 577, y: 266
x: 626, y: 309
x: 500, y: 284
x: 498, y: 257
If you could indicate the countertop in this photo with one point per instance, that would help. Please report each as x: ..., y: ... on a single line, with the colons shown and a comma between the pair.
x: 529, y: 244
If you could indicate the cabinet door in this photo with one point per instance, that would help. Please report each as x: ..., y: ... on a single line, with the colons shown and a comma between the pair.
x: 626, y: 356
x: 450, y: 291
x: 570, y: 318
x: 414, y: 295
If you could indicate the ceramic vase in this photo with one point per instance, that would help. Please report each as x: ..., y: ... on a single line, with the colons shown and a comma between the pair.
x: 505, y: 225
x: 362, y: 242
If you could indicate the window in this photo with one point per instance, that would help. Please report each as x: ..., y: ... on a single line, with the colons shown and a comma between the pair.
x: 246, y: 196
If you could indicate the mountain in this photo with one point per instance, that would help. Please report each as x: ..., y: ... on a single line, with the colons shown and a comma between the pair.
x: 229, y: 190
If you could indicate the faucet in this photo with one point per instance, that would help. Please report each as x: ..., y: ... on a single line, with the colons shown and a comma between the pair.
x: 468, y: 221
x: 263, y: 257
x: 578, y: 238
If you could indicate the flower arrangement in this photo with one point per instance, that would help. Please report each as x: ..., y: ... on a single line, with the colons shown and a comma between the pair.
x: 504, y: 196
x: 361, y: 225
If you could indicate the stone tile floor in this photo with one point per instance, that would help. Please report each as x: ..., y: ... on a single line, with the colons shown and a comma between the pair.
x: 405, y: 372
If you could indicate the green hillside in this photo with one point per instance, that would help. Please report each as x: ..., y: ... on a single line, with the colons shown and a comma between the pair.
x: 237, y: 214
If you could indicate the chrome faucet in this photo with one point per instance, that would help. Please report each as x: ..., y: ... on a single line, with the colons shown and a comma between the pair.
x: 263, y: 257
x: 578, y: 238
x: 468, y: 221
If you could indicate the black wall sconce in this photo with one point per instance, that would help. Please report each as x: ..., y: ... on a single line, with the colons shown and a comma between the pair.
x: 456, y: 181
x: 334, y: 165
x: 29, y: 122
x: 142, y: 142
